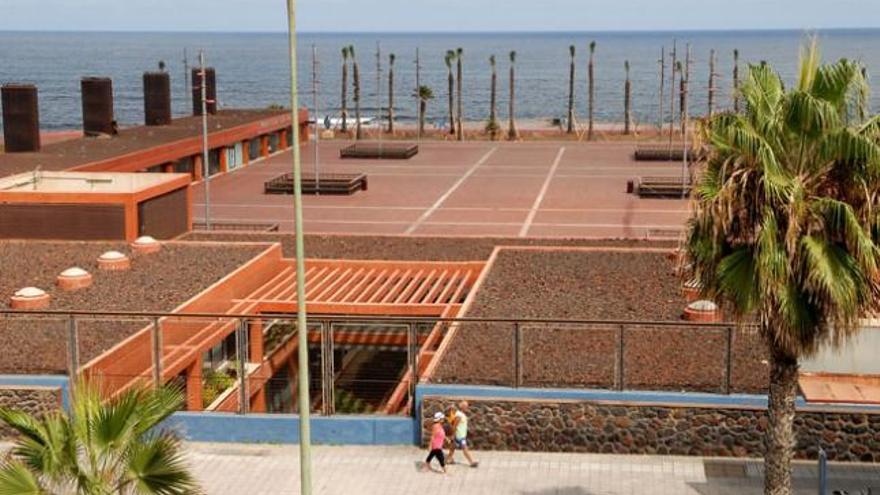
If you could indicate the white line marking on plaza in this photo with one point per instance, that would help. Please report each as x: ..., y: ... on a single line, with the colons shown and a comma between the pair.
x: 540, y: 198
x: 449, y: 192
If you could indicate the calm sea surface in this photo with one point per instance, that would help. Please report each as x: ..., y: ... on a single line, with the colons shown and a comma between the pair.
x: 252, y: 68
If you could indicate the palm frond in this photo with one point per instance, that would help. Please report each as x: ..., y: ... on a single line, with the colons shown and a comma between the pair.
x: 156, y: 466
x: 737, y: 277
x: 17, y: 479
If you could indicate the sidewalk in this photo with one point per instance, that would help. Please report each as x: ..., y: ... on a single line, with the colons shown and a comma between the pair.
x: 264, y: 470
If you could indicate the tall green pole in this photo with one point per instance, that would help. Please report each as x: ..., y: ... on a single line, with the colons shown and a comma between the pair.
x: 305, y: 439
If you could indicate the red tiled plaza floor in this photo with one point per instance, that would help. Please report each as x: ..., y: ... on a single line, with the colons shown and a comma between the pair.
x: 471, y: 189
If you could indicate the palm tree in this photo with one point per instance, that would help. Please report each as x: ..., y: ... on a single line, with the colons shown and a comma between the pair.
x: 512, y: 133
x: 571, y: 52
x: 492, y: 125
x: 391, y: 58
x: 627, y: 101
x: 736, y: 80
x: 711, y: 97
x: 356, y: 77
x: 425, y: 94
x: 450, y: 56
x: 591, y: 90
x: 785, y: 227
x: 101, y: 447
x: 459, y: 56
x: 344, y: 105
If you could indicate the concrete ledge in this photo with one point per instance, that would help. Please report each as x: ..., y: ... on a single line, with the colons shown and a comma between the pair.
x: 284, y: 428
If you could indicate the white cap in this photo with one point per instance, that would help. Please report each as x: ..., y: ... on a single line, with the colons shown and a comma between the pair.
x: 703, y: 305
x: 74, y: 272
x: 30, y: 292
x: 145, y: 240
x: 111, y: 255
x: 438, y: 416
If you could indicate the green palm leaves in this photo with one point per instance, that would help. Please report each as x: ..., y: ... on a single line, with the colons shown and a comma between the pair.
x: 102, y: 447
x: 785, y: 221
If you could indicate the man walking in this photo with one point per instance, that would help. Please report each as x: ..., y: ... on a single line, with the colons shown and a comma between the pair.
x: 459, y: 437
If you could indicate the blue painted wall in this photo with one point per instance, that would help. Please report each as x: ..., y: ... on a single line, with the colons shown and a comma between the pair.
x: 284, y: 428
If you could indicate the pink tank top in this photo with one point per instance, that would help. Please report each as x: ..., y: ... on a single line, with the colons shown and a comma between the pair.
x: 437, y: 436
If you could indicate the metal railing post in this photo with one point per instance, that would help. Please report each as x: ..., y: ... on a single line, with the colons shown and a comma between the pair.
x: 823, y: 472
x: 241, y: 351
x: 517, y: 355
x: 620, y: 375
x: 328, y: 370
x: 728, y: 361
x: 412, y: 354
x: 72, y: 352
x: 157, y: 353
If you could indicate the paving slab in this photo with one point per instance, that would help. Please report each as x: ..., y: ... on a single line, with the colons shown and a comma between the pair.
x: 269, y: 470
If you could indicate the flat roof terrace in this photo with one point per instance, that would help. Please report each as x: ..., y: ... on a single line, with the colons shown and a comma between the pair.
x: 155, y: 282
x: 80, y: 183
x: 140, y: 147
x: 497, y: 189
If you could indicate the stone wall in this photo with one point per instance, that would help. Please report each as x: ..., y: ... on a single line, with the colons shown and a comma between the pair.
x: 33, y: 400
x: 630, y: 428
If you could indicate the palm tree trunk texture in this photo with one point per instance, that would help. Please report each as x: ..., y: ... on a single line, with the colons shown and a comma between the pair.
x: 423, y: 107
x: 570, y: 117
x: 682, y: 100
x: 458, y: 60
x: 512, y: 133
x: 736, y: 81
x: 357, y: 100
x: 627, y: 102
x: 391, y: 94
x: 780, y: 438
x: 662, y: 104
x: 493, y: 100
x: 711, y: 101
x: 345, y: 90
x: 672, y: 68
x: 451, y: 91
x: 591, y: 90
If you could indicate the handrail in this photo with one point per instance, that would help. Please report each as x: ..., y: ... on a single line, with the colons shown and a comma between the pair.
x: 368, y: 318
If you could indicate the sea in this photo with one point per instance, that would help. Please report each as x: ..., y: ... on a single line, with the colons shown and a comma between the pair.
x: 253, y: 68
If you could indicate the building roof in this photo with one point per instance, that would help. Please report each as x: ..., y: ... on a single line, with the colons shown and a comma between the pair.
x: 82, y: 151
x: 81, y: 183
x: 160, y: 281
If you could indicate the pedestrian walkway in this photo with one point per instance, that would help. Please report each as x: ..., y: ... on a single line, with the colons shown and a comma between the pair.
x: 264, y: 470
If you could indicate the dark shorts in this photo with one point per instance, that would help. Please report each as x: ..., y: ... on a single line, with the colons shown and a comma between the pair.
x: 461, y: 443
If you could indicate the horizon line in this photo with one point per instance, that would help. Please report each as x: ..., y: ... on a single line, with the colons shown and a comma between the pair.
x: 441, y: 32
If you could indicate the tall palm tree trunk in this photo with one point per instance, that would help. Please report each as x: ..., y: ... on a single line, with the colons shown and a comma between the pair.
x: 493, y: 101
x: 627, y: 101
x: 662, y: 102
x: 423, y: 107
x: 736, y: 81
x: 570, y: 130
x: 344, y: 104
x: 459, y: 55
x: 450, y: 56
x: 672, y: 69
x: 512, y: 133
x: 391, y: 58
x: 780, y: 437
x: 711, y: 100
x: 591, y: 90
x: 356, y: 76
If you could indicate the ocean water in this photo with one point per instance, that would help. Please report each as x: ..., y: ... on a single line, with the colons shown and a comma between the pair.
x: 252, y: 69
